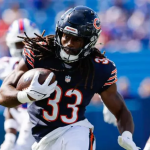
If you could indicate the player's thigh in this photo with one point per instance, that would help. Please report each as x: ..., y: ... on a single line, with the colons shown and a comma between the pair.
x: 79, y: 138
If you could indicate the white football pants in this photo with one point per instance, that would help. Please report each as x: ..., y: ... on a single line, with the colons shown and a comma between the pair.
x: 25, y: 139
x: 75, y: 138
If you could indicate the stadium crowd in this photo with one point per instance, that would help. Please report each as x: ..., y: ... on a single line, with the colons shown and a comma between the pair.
x: 125, y: 25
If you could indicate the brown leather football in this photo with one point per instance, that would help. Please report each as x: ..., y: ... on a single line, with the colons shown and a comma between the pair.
x: 26, y: 78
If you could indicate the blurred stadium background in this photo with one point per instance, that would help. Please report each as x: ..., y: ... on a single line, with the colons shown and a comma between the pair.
x: 125, y: 38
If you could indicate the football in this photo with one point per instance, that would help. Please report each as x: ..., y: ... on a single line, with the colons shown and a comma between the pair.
x: 26, y: 78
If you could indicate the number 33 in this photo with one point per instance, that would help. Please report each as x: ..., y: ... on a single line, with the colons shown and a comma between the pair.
x: 54, y: 103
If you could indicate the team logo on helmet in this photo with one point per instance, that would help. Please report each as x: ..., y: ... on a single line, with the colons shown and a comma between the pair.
x: 96, y: 24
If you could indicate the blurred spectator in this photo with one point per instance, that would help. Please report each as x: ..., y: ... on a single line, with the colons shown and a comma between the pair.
x: 125, y: 26
x: 69, y: 5
x: 14, y: 12
x: 3, y: 27
x: 124, y: 88
x: 3, y: 48
x: 96, y: 99
x: 41, y: 12
x: 144, y: 88
x: 1, y: 2
x: 40, y: 4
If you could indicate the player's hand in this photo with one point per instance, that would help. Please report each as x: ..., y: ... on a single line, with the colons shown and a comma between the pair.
x: 108, y: 116
x: 38, y: 91
x: 126, y: 141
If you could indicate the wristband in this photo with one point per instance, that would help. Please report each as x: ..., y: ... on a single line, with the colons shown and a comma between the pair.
x: 127, y: 134
x: 23, y: 97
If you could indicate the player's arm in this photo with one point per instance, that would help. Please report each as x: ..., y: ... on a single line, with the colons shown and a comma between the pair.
x: 114, y: 102
x: 11, y: 97
x: 8, y: 92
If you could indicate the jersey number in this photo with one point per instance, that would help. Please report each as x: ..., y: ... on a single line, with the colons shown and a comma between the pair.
x: 103, y: 61
x: 54, y: 103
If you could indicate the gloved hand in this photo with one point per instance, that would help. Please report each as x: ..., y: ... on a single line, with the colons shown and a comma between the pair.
x: 37, y: 91
x: 126, y: 141
x: 108, y: 116
x: 9, y: 142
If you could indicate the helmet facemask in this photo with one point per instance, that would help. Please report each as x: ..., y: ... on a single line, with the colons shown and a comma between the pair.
x: 83, y: 52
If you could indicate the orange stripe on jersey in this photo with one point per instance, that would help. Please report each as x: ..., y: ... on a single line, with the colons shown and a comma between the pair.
x: 113, y: 77
x: 91, y: 140
x: 114, y: 71
x: 30, y: 62
x: 110, y: 83
x: 27, y: 54
x: 31, y: 52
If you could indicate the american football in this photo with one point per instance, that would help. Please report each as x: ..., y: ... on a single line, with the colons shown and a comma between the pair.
x: 26, y: 78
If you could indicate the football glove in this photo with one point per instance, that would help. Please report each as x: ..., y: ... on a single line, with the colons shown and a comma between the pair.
x: 37, y: 91
x: 126, y: 141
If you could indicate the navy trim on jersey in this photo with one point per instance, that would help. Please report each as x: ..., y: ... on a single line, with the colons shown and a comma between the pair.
x: 112, y: 77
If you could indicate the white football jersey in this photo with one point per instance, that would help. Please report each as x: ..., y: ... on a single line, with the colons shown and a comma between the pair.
x: 8, y: 64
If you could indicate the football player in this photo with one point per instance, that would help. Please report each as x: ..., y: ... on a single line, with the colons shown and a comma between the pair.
x: 57, y: 111
x: 16, y: 119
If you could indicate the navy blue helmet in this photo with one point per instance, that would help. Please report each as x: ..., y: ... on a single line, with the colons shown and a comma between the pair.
x: 80, y: 21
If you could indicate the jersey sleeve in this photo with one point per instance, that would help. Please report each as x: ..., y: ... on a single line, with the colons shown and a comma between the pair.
x: 29, y: 58
x: 112, y: 77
